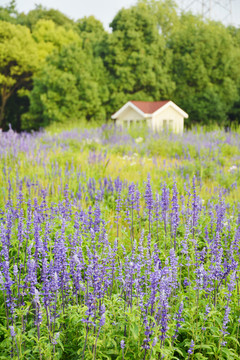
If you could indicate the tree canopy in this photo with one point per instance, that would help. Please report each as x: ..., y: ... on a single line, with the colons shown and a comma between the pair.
x: 137, y: 58
x: 18, y: 61
x: 70, y: 85
x: 205, y: 68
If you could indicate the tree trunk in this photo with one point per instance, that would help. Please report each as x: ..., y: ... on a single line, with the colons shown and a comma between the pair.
x: 4, y: 98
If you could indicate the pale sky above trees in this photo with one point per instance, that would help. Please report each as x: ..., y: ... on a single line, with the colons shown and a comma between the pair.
x: 105, y: 10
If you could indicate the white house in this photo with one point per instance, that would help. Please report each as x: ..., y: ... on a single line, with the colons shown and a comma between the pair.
x: 159, y: 115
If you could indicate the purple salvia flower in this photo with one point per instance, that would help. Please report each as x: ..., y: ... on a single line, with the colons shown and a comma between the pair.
x: 173, y: 268
x: 195, y: 207
x: 164, y: 321
x: 157, y: 212
x: 174, y: 214
x: 191, y: 348
x: 179, y: 319
x: 165, y: 205
x: 207, y: 311
x: 200, y: 274
x: 149, y: 201
x: 15, y: 270
x: 155, y: 340
x: 226, y: 321
x: 231, y: 286
x: 12, y: 331
x: 220, y: 212
x: 122, y: 344
x: 102, y: 320
x: 55, y: 338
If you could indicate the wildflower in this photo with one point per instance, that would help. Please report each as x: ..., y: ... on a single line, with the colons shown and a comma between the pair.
x: 190, y: 350
x: 122, y: 344
x: 56, y: 336
x: 232, y: 169
x: 207, y: 311
x: 155, y: 340
x: 15, y: 270
x: 174, y: 214
x: 12, y: 331
x: 179, y: 319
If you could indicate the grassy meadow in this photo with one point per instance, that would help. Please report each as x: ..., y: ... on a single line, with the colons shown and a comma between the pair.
x: 119, y: 244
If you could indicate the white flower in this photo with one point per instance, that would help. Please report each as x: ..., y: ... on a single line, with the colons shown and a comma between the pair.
x: 232, y: 169
x: 139, y: 140
x: 97, y: 140
x: 76, y: 259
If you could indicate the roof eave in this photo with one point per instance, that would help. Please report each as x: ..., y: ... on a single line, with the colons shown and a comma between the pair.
x: 124, y: 107
x: 177, y: 108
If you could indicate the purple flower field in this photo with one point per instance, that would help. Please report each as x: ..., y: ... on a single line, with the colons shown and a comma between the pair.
x: 118, y: 248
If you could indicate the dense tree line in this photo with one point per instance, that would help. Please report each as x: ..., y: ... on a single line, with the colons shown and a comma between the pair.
x: 55, y: 69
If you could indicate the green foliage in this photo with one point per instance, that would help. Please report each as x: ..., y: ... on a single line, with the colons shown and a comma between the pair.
x: 164, y: 13
x: 205, y: 69
x: 52, y: 37
x: 41, y: 13
x: 9, y: 12
x: 136, y: 58
x: 70, y: 86
x: 93, y: 35
x: 18, y: 61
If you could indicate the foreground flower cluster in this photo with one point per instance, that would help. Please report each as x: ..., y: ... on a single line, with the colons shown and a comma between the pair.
x: 135, y: 274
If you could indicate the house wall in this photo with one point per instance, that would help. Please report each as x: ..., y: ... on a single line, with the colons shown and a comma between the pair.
x: 168, y: 114
x: 128, y: 115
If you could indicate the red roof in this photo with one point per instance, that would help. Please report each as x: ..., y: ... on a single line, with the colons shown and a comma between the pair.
x: 149, y: 107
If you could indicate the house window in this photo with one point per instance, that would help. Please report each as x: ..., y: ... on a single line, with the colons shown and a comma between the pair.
x: 164, y: 125
x: 131, y: 122
x: 167, y: 125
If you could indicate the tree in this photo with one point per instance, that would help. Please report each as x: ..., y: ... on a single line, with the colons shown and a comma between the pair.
x: 41, y: 13
x: 205, y: 68
x: 136, y: 58
x: 92, y: 34
x: 9, y: 13
x: 234, y: 112
x: 164, y: 13
x: 70, y: 86
x: 18, y: 61
x: 22, y: 54
x: 51, y: 37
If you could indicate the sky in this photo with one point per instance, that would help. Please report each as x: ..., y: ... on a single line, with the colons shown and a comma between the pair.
x: 105, y: 10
